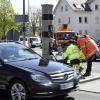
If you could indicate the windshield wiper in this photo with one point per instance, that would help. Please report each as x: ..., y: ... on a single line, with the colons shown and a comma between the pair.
x: 30, y: 58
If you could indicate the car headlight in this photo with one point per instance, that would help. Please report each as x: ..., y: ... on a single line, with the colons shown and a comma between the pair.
x: 40, y: 77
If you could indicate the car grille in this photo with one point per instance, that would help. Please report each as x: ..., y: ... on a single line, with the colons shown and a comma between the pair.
x: 62, y: 76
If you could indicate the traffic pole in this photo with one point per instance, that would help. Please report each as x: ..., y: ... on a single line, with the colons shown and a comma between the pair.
x: 24, y: 21
x: 47, y: 18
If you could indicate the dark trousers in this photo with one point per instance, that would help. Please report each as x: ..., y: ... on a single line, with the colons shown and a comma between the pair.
x: 89, y: 66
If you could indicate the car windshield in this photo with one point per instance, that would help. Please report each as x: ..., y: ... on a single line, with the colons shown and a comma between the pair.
x: 64, y: 36
x: 17, y: 52
x: 34, y: 39
x: 21, y: 39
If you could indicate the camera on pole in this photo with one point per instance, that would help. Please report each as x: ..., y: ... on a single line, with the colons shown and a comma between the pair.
x: 47, y: 33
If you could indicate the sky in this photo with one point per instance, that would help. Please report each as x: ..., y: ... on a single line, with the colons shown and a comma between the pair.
x: 18, y: 4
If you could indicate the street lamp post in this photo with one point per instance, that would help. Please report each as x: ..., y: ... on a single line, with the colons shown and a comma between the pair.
x: 28, y: 7
x: 24, y: 21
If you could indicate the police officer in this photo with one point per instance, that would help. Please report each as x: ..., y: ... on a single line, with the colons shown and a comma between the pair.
x: 73, y: 55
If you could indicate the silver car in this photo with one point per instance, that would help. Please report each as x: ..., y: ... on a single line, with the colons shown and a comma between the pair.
x: 36, y: 41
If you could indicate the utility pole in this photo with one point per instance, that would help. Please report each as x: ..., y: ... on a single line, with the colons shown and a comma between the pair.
x: 24, y: 21
x: 28, y: 7
x: 47, y: 18
x: 4, y: 19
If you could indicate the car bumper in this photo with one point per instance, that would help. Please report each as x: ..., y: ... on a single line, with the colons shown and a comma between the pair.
x: 54, y: 89
x: 36, y: 44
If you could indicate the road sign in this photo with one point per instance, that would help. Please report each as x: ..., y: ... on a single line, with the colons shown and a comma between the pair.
x: 21, y: 18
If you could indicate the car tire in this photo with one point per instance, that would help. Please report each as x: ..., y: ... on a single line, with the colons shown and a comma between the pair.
x: 19, y: 91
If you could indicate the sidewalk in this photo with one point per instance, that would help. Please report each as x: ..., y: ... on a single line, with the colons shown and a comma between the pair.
x: 94, y: 76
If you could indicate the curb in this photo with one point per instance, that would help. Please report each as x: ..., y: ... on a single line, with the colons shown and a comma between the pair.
x: 90, y: 78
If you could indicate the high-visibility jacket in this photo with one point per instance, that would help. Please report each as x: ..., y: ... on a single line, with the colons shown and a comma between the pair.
x: 87, y: 45
x: 73, y: 52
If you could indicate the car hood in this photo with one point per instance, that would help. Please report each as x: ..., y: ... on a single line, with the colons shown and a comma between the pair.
x: 40, y: 65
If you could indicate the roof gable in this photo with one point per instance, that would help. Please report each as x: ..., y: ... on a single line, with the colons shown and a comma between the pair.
x: 77, y: 5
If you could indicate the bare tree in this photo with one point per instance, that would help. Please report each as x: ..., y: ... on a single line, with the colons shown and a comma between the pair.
x: 36, y: 19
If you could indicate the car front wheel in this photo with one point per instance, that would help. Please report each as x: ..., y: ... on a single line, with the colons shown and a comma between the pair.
x: 19, y: 91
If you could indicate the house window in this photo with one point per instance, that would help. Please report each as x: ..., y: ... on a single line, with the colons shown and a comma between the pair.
x: 80, y: 19
x: 61, y: 8
x: 86, y: 32
x: 59, y: 20
x: 97, y: 32
x: 85, y: 20
x: 96, y: 7
x: 80, y: 32
x: 97, y: 20
x: 66, y: 8
x: 68, y: 20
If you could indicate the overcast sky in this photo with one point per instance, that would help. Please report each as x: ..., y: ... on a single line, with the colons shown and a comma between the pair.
x: 18, y: 4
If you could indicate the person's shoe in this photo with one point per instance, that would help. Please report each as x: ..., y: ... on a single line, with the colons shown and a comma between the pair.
x: 85, y: 75
x: 82, y: 77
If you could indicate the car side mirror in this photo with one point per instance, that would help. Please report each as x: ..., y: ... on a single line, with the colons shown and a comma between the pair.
x: 43, y: 62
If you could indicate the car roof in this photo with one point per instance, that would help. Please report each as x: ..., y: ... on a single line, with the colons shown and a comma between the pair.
x: 30, y: 36
x: 8, y: 43
x: 65, y: 32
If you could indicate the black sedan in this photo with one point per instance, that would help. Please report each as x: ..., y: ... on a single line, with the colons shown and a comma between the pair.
x: 25, y: 74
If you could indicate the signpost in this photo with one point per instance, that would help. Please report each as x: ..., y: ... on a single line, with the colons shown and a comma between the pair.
x: 21, y: 18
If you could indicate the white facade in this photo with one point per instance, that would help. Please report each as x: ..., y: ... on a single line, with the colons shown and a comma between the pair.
x: 89, y: 20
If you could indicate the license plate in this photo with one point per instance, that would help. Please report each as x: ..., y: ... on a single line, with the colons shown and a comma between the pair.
x: 66, y: 85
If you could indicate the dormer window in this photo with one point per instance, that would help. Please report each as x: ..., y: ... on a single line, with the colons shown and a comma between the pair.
x: 78, y: 6
x: 96, y: 7
x: 59, y: 20
x: 85, y: 20
x: 61, y: 8
x: 66, y: 8
x: 80, y: 19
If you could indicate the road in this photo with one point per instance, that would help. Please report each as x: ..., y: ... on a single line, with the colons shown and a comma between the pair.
x: 88, y: 91
x: 92, y: 86
x: 83, y: 95
x: 80, y: 95
x: 96, y: 66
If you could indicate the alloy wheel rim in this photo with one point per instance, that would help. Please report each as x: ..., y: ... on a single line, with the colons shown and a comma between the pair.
x: 18, y: 92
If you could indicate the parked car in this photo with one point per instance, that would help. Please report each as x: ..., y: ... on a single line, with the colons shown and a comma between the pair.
x: 36, y: 41
x: 21, y: 40
x: 25, y: 74
x: 31, y: 41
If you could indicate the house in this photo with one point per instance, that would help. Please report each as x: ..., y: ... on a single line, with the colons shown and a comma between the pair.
x: 82, y: 17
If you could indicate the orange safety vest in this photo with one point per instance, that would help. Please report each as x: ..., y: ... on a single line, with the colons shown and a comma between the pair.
x: 87, y: 45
